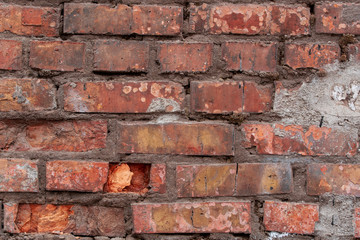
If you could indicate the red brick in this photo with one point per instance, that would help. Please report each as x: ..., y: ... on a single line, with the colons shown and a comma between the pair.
x: 176, y: 138
x: 284, y: 140
x: 58, y: 55
x: 337, y: 18
x: 30, y: 21
x: 354, y: 51
x: 263, y: 179
x: 26, y: 95
x: 199, y: 18
x: 250, y: 56
x: 290, y: 217
x: 189, y: 217
x: 185, y: 57
x: 357, y: 222
x: 157, y: 20
x: 308, y: 55
x: 158, y: 178
x: 257, y: 98
x: 340, y: 179
x: 120, y: 56
x: 73, y: 219
x: 124, y: 97
x: 70, y: 136
x: 85, y: 18
x: 81, y: 176
x: 18, y: 175
x: 10, y: 54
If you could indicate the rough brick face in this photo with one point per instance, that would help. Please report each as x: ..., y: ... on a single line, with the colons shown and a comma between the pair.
x: 158, y: 178
x: 57, y: 56
x: 192, y: 217
x: 257, y: 98
x: 10, y: 55
x: 357, y: 222
x: 354, y: 51
x: 185, y: 57
x: 26, y: 95
x: 125, y: 97
x: 176, y: 138
x: 18, y: 175
x: 290, y: 217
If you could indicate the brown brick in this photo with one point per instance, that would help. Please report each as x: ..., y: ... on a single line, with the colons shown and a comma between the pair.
x: 250, y: 56
x: 309, y: 55
x: 333, y: 178
x: 158, y: 178
x: 290, y: 217
x: 120, y: 56
x: 199, y: 18
x: 157, y: 20
x: 26, y: 95
x: 189, y: 217
x: 263, y: 178
x: 176, y: 138
x: 73, y: 219
x: 257, y: 98
x: 124, y: 97
x: 10, y: 54
x: 85, y: 18
x: 284, y: 140
x: 185, y: 57
x: 70, y: 136
x: 58, y: 55
x: 18, y: 175
x: 337, y: 18
x: 205, y: 180
x: 30, y: 21
x: 81, y: 176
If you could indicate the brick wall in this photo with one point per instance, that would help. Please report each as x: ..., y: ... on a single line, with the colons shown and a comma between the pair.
x: 179, y: 120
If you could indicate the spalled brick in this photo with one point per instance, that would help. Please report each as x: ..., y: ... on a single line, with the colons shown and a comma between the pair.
x: 124, y: 97
x: 73, y: 219
x: 10, y: 54
x: 263, y: 178
x: 81, y: 176
x: 199, y: 18
x: 26, y: 95
x: 29, y: 21
x: 120, y: 56
x: 250, y: 56
x: 158, y: 178
x: 257, y: 98
x: 188, y: 217
x: 309, y: 55
x: 340, y: 179
x: 205, y: 180
x: 185, y: 57
x: 176, y: 138
x: 337, y: 18
x: 18, y: 175
x: 85, y: 18
x: 284, y: 140
x: 70, y: 136
x: 357, y: 223
x: 290, y: 217
x: 157, y: 20
x: 57, y: 55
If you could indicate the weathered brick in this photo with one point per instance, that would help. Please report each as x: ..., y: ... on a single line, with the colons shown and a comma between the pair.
x: 73, y: 219
x: 124, y: 97
x: 157, y: 20
x: 26, y: 95
x: 290, y: 217
x: 188, y: 217
x: 337, y: 18
x: 158, y: 178
x: 18, y: 175
x: 354, y: 52
x: 250, y: 56
x: 284, y: 140
x: 263, y: 178
x: 357, y: 223
x: 81, y: 176
x: 71, y: 136
x: 120, y: 56
x: 176, y: 138
x: 58, y: 55
x: 185, y: 57
x: 85, y: 18
x: 257, y: 98
x: 340, y: 179
x: 205, y: 180
x: 308, y: 55
x: 199, y: 18
x: 10, y: 54
x: 30, y: 21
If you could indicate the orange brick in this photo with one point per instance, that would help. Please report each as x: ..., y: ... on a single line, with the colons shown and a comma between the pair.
x: 10, y: 54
